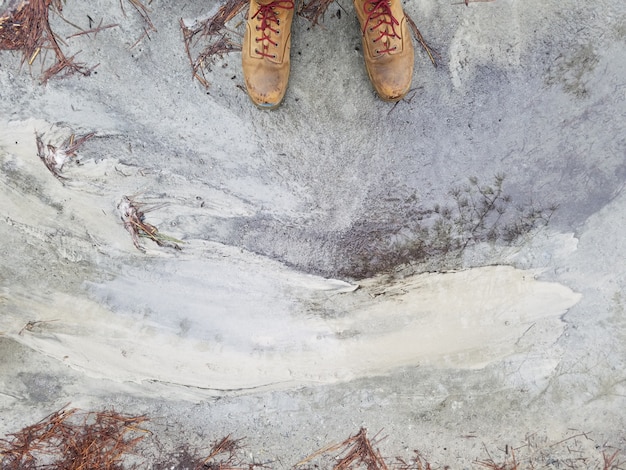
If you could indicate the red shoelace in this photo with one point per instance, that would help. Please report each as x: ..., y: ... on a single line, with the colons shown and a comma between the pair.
x: 270, y: 23
x: 380, y: 17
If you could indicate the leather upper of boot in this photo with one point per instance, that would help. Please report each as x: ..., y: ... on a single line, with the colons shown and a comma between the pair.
x: 387, y: 46
x: 266, y: 50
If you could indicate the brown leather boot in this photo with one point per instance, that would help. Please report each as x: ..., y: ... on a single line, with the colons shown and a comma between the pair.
x: 265, y: 52
x: 387, y: 47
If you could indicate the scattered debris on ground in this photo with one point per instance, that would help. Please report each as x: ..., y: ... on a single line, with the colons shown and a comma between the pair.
x: 143, y: 11
x: 536, y: 453
x: 70, y: 439
x: 25, y: 27
x: 55, y: 157
x: 132, y: 214
x: 224, y: 454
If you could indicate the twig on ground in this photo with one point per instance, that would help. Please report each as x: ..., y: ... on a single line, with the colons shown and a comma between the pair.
x: 433, y: 55
x: 610, y: 461
x: 32, y: 324
x: 95, y: 31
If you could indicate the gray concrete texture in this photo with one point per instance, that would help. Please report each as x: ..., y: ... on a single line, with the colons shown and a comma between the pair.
x: 298, y: 309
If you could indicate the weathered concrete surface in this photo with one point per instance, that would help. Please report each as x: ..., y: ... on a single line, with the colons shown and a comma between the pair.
x: 334, y: 184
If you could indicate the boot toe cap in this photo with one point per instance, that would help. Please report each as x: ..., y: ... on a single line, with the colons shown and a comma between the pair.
x: 392, y: 84
x: 267, y: 85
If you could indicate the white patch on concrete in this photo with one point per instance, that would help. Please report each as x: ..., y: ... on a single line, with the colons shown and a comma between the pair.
x: 238, y: 322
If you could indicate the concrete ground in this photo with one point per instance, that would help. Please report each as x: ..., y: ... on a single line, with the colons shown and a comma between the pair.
x: 343, y: 262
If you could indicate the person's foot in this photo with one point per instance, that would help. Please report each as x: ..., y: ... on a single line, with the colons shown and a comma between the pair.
x: 265, y: 52
x: 387, y: 47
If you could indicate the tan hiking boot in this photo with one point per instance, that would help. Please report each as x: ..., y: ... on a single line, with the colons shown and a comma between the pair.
x: 265, y: 52
x: 387, y: 47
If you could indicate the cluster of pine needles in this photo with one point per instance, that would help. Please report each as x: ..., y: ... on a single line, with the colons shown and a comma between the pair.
x: 55, y: 155
x: 70, y: 439
x: 73, y: 440
x: 132, y: 214
x: 360, y: 452
x: 25, y: 27
x: 210, y: 38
